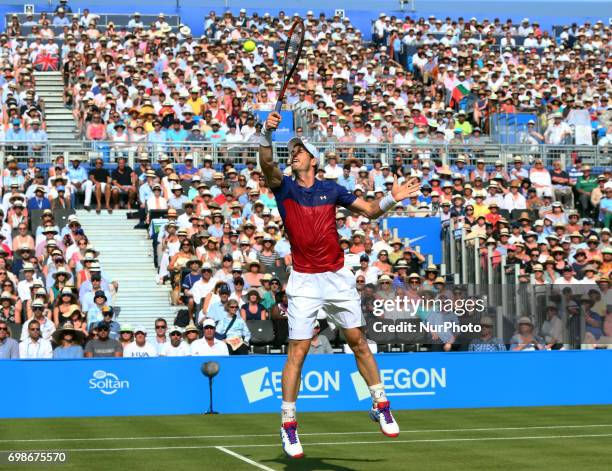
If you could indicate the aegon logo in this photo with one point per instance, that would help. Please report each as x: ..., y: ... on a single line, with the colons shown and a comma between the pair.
x: 263, y: 383
x: 107, y: 383
x: 404, y: 382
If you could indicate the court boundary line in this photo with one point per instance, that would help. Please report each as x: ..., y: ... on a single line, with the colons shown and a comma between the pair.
x: 244, y: 458
x: 306, y: 434
x: 377, y: 442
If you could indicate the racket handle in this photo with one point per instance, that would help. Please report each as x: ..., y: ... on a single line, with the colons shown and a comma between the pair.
x: 279, y: 105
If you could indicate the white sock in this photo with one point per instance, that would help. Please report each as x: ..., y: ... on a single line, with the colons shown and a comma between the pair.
x: 287, y: 412
x: 377, y: 391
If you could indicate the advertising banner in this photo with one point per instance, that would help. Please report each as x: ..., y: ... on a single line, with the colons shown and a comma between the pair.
x: 252, y: 384
x: 422, y: 232
x: 285, y: 132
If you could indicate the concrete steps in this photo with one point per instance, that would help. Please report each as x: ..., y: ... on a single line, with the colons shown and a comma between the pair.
x: 59, y: 120
x: 126, y: 256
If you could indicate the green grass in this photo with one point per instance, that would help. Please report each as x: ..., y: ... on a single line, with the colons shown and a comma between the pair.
x: 548, y: 438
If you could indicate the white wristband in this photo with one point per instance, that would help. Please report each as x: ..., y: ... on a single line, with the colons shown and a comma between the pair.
x: 265, y: 138
x: 387, y: 202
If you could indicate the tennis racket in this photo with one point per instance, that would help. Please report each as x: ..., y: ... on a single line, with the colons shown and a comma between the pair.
x: 293, y: 50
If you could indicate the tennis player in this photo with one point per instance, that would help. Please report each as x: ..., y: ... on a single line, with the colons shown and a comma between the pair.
x: 319, y: 279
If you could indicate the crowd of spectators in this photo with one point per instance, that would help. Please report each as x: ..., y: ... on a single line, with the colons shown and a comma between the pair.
x: 401, y: 88
x: 217, y: 234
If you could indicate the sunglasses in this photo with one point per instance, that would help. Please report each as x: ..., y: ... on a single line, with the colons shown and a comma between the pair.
x: 208, y: 327
x: 160, y: 326
x: 233, y: 306
x: 34, y: 329
x: 3, y: 329
x: 175, y: 334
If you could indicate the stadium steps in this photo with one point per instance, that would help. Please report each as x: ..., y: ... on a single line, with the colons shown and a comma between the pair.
x: 60, y: 123
x: 126, y: 256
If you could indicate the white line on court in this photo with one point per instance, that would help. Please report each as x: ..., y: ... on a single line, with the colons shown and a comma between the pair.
x: 243, y: 458
x: 378, y: 442
x: 312, y: 434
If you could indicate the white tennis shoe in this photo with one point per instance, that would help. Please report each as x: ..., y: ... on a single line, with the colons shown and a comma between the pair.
x: 381, y: 413
x: 290, y: 440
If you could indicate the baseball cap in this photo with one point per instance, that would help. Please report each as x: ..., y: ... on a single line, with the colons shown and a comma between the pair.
x: 312, y: 150
x: 209, y: 323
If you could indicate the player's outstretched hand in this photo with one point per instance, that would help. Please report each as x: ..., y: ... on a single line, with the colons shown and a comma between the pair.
x: 273, y: 120
x: 410, y: 187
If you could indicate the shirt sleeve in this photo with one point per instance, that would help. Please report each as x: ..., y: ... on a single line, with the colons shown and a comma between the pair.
x: 345, y: 196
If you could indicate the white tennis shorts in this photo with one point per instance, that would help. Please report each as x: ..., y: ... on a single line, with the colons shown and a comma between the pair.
x: 333, y: 292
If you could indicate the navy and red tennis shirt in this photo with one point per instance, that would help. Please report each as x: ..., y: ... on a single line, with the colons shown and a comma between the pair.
x: 309, y: 215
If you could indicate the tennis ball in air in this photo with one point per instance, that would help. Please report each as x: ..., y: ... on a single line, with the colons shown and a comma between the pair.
x: 249, y: 45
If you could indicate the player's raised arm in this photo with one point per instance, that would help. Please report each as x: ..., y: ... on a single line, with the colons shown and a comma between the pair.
x: 272, y: 174
x: 375, y: 209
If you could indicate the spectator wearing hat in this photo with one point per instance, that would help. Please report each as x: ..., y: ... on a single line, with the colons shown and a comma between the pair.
x: 486, y: 342
x: 319, y: 343
x: 201, y: 288
x: 585, y: 185
x: 39, y: 201
x: 9, y: 347
x: 68, y: 341
x: 514, y: 199
x: 77, y: 175
x: 113, y: 326
x: 126, y: 335
x: 209, y: 345
x: 100, y: 182
x: 33, y: 345
x: 140, y: 348
x: 41, y: 315
x: 214, y: 304
x: 175, y: 347
x: 525, y: 339
x: 63, y: 305
x: 102, y: 346
x: 253, y: 309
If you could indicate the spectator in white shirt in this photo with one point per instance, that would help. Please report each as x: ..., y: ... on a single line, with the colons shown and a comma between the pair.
x: 540, y: 179
x: 332, y: 168
x: 175, y: 347
x: 140, y: 348
x: 567, y: 277
x: 34, y: 346
x: 209, y: 345
x: 514, y: 200
x: 41, y: 317
x: 557, y: 131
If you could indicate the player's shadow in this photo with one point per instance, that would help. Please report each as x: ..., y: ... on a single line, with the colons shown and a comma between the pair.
x: 317, y: 464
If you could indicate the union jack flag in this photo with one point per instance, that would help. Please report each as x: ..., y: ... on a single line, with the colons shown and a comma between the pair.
x: 46, y: 63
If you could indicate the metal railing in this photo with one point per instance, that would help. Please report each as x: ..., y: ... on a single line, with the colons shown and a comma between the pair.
x: 447, y: 154
x: 509, y: 293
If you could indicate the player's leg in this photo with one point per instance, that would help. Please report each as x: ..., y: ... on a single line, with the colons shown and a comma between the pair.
x: 366, y: 363
x: 302, y: 313
x: 343, y: 307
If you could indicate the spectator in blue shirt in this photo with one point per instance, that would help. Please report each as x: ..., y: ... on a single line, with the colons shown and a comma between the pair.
x: 157, y: 137
x: 216, y: 134
x: 16, y: 139
x: 69, y: 342
x: 37, y: 138
x: 9, y: 348
x: 234, y: 330
x: 486, y: 342
x: 77, y: 175
x: 40, y: 201
x: 346, y: 179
